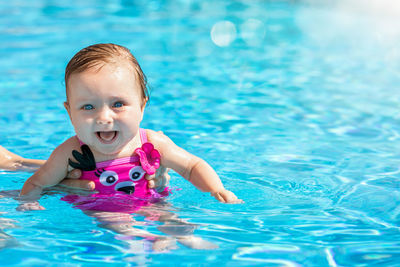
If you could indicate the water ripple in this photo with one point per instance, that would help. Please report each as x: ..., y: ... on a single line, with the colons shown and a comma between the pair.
x: 301, y: 126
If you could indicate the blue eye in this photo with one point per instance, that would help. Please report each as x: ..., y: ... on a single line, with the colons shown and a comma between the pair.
x: 88, y: 107
x: 118, y: 105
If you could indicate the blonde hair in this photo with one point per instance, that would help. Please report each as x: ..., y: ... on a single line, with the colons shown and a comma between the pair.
x: 100, y: 54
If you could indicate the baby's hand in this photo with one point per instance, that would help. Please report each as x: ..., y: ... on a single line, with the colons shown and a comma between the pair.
x: 226, y: 196
x: 27, y: 206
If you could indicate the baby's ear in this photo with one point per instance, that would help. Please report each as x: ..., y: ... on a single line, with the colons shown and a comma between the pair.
x: 144, y: 105
x: 66, y: 105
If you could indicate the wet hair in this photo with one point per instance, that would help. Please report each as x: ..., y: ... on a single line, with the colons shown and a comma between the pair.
x: 100, y: 54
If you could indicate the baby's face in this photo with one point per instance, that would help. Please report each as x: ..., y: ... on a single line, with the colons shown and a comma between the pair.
x: 105, y: 107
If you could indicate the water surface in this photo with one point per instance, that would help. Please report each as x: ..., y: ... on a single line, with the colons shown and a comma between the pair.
x: 295, y: 104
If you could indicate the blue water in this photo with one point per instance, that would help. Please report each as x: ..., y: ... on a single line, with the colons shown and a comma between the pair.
x: 295, y: 104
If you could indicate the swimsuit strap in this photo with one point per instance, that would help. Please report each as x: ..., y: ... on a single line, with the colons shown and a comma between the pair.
x: 143, y: 136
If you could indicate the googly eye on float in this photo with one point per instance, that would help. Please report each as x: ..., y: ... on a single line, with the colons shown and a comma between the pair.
x: 108, y: 178
x: 136, y: 173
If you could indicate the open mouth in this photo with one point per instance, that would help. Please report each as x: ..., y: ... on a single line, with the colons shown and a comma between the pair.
x: 126, y: 187
x: 107, y: 137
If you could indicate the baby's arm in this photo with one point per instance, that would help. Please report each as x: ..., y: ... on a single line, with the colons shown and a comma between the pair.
x: 192, y: 168
x: 50, y: 174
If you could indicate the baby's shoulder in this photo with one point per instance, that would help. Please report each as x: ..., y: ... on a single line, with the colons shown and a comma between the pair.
x: 71, y: 143
x: 59, y: 157
x: 68, y: 146
x: 157, y: 138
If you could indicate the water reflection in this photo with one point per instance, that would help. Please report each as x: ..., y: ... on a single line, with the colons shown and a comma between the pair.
x: 223, y: 33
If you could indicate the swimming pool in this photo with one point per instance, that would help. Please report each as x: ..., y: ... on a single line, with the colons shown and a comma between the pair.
x: 295, y: 104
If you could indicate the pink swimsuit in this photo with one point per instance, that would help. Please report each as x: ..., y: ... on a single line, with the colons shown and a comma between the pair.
x: 121, y: 182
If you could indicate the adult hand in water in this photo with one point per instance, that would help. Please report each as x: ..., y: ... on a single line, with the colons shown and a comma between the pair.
x: 12, y: 162
x: 158, y: 181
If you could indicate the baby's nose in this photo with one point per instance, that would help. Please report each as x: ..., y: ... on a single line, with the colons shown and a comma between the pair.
x: 104, y: 116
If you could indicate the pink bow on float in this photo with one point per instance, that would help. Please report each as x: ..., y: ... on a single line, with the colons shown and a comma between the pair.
x: 149, y: 158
